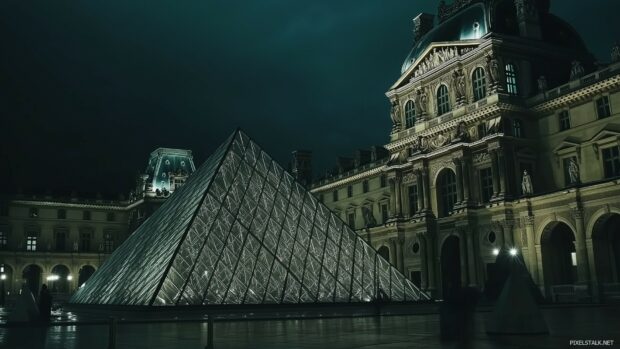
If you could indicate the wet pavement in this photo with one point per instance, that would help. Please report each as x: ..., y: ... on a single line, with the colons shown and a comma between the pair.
x: 415, y: 331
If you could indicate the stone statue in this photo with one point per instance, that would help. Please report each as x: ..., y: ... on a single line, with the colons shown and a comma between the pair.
x: 542, y: 84
x: 460, y: 133
x: 615, y: 52
x: 369, y: 218
x: 573, y: 171
x: 576, y: 70
x: 395, y: 115
x: 458, y: 81
x: 526, y: 184
x: 493, y: 69
x: 421, y: 101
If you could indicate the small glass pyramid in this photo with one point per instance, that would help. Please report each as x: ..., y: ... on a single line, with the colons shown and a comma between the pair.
x: 243, y: 231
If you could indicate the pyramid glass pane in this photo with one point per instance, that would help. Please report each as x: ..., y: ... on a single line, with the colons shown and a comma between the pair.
x: 242, y: 230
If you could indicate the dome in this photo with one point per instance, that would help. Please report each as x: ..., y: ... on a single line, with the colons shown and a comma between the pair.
x: 470, y: 23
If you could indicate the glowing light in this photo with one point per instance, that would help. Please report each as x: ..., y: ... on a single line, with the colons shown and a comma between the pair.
x: 69, y: 277
x: 52, y: 277
x: 513, y: 251
x: 3, y: 277
x: 496, y: 251
x: 573, y: 257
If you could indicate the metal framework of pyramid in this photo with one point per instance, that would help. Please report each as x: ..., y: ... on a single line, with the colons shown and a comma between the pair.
x: 243, y: 231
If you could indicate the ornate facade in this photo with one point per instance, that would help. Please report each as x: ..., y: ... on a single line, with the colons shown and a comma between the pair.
x: 506, y: 134
x: 62, y: 241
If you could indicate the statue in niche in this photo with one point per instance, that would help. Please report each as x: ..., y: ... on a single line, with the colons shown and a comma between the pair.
x: 492, y: 66
x: 615, y: 52
x: 460, y: 133
x: 369, y: 218
x: 576, y: 70
x: 395, y: 115
x: 542, y: 84
x: 526, y: 184
x: 458, y: 81
x: 573, y: 171
x: 421, y: 101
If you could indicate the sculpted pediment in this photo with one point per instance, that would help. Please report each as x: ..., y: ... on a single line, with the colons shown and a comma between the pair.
x: 434, y: 56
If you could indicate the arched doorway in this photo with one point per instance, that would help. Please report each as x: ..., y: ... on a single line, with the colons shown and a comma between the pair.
x: 384, y: 252
x: 446, y: 192
x: 85, y: 273
x: 32, y: 278
x: 559, y: 258
x: 59, y: 280
x: 450, y: 266
x: 606, y: 247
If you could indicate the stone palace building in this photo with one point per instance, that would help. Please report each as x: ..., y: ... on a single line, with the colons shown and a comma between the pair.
x: 505, y: 134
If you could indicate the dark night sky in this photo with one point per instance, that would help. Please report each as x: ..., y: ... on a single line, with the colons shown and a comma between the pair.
x: 89, y: 88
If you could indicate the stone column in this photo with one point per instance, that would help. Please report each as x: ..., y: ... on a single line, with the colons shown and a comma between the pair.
x: 494, y: 172
x: 501, y: 163
x: 392, y: 197
x: 531, y: 248
x: 459, y: 180
x: 431, y: 262
x: 509, y: 233
x: 471, y: 258
x: 463, y: 255
x: 465, y: 170
x: 583, y: 270
x: 398, y: 198
x: 421, y: 192
x: 395, y: 248
x: 427, y: 190
x: 423, y: 262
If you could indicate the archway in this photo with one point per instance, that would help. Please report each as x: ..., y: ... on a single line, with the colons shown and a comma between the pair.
x: 85, y: 273
x: 32, y: 278
x: 558, y: 255
x: 59, y: 280
x: 450, y: 266
x: 384, y: 252
x: 606, y: 247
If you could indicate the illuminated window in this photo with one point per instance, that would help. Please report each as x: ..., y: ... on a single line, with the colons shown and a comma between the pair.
x: 31, y: 243
x: 511, y: 79
x: 443, y: 100
x: 564, y: 119
x: 611, y: 162
x: 3, y: 240
x: 602, y: 107
x: 409, y: 114
x: 479, y: 84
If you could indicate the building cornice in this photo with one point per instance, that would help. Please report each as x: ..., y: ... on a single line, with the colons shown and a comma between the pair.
x: 114, y: 207
x: 347, y: 180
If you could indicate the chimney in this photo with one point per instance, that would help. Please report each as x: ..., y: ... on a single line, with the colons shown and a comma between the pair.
x: 344, y: 164
x: 301, y: 166
x: 378, y: 153
x: 362, y: 157
x: 422, y: 24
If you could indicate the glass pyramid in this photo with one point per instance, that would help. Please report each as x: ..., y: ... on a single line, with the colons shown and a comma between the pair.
x: 243, y: 231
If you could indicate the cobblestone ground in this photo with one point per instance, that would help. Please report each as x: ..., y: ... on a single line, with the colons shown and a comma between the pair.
x: 420, y: 331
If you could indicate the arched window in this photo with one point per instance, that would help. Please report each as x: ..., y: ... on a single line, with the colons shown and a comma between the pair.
x: 447, y: 192
x: 511, y: 79
x: 409, y: 114
x: 479, y: 84
x: 443, y: 101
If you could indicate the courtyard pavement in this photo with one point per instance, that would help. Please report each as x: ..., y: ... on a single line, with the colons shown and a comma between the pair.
x: 414, y: 331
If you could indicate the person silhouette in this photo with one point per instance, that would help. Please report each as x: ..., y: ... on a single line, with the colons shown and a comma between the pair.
x: 45, y: 303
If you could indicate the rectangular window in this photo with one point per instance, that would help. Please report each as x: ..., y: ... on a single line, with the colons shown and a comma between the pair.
x: 611, y: 162
x: 108, y: 243
x: 365, y: 186
x: 60, y: 238
x: 349, y: 191
x: 351, y: 220
x: 335, y: 195
x: 110, y: 217
x: 564, y: 118
x: 602, y: 107
x: 86, y: 215
x: 486, y: 184
x: 61, y: 214
x: 31, y: 243
x: 511, y: 79
x: 34, y: 212
x: 3, y: 240
x: 517, y: 128
x: 84, y: 242
x: 383, y: 179
x: 413, y: 199
x: 482, y: 130
x: 384, y: 212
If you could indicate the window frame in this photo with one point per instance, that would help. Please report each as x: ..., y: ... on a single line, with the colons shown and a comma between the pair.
x: 512, y: 87
x: 443, y: 100
x: 603, y: 103
x: 447, y: 192
x: 479, y: 84
x: 564, y: 120
x: 412, y: 195
x: 613, y: 160
x: 486, y: 184
x: 410, y: 117
x: 365, y: 186
x: 31, y: 243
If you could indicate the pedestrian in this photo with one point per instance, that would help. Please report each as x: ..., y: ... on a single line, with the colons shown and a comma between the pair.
x: 45, y: 304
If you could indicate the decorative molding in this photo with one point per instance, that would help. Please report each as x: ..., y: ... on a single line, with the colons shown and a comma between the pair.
x: 480, y: 158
